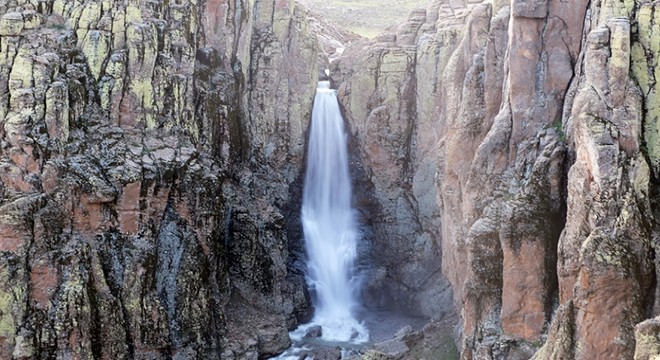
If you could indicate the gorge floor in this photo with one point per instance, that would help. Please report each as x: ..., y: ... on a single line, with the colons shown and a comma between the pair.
x: 393, y: 336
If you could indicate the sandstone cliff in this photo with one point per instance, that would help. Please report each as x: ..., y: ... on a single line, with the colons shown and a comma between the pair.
x: 518, y: 140
x: 149, y: 156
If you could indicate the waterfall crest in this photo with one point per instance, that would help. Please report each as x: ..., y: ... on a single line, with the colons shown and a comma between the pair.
x: 329, y: 223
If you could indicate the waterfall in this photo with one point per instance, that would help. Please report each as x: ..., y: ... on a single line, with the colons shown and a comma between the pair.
x: 329, y: 223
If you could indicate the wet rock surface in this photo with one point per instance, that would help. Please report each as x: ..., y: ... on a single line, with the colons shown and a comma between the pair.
x: 433, y: 341
x: 323, y: 354
x: 314, y: 332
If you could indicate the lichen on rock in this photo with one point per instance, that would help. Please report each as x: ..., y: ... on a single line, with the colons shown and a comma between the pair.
x: 505, y: 156
x: 531, y: 150
x: 124, y: 137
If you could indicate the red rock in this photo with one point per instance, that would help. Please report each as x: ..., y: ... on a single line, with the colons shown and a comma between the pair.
x: 50, y: 179
x: 88, y: 217
x: 43, y: 283
x: 603, y: 321
x: 523, y: 291
x: 12, y: 237
x: 128, y: 208
x: 156, y: 202
x: 13, y: 177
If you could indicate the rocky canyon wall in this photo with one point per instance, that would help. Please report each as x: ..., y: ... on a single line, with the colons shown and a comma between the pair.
x: 149, y: 159
x: 517, y: 141
x: 506, y: 159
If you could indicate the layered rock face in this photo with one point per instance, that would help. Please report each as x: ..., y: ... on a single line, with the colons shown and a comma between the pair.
x: 517, y: 140
x: 506, y: 159
x: 149, y: 159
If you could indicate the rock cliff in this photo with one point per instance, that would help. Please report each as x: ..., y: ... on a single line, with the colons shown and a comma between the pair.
x: 506, y: 157
x: 150, y: 155
x: 517, y: 140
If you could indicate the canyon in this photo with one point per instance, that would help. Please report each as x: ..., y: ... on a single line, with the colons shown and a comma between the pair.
x: 504, y: 157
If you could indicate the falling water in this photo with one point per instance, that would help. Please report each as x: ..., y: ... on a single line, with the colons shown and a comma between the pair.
x: 329, y: 223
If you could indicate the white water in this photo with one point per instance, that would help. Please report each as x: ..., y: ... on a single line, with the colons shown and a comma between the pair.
x: 329, y: 224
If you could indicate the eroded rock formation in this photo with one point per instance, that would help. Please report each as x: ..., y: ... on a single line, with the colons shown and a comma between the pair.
x: 518, y: 141
x: 149, y: 161
x: 506, y: 157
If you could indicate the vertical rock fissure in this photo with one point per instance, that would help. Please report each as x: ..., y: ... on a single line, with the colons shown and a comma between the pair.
x: 112, y: 257
x: 652, y: 298
x: 95, y: 322
x: 169, y: 249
